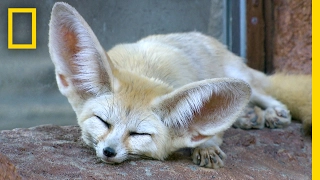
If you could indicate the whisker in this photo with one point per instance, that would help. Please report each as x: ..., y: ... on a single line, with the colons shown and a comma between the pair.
x: 93, y: 140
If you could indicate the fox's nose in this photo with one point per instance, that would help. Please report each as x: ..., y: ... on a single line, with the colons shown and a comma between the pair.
x: 109, y: 152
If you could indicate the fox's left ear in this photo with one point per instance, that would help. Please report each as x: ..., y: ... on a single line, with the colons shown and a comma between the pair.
x: 199, y: 110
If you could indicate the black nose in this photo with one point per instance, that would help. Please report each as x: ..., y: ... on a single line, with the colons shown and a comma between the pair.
x: 109, y: 152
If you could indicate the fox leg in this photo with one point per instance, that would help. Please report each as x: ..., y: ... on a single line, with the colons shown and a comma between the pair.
x: 209, y: 153
x: 275, y: 114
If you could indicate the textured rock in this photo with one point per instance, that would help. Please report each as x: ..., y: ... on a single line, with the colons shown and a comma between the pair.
x: 292, y: 36
x: 54, y: 152
x: 7, y: 169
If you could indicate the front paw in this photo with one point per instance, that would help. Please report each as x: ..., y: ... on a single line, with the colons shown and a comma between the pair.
x: 210, y: 157
x: 277, y: 117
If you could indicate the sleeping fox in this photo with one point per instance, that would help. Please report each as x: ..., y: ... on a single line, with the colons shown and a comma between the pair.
x: 155, y: 96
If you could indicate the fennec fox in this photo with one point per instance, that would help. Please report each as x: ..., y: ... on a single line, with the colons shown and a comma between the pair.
x: 155, y: 96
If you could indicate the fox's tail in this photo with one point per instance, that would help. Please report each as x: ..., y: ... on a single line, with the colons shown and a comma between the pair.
x: 295, y: 91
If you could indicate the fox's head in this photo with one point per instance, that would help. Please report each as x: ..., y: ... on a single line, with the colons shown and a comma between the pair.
x: 124, y: 115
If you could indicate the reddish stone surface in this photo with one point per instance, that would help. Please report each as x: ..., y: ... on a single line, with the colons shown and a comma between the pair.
x: 292, y: 36
x: 7, y: 169
x: 54, y: 152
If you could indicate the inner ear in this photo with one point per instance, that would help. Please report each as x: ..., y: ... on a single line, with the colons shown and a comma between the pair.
x: 70, y: 44
x: 63, y: 80
x: 69, y: 49
x: 198, y: 137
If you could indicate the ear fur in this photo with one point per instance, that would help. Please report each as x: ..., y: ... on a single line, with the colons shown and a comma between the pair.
x: 202, y: 109
x: 82, y: 66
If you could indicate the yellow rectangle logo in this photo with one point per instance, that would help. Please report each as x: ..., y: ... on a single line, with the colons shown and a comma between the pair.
x: 33, y: 44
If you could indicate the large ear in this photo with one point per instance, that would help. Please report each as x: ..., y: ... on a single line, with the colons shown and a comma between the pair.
x: 82, y: 66
x: 199, y: 110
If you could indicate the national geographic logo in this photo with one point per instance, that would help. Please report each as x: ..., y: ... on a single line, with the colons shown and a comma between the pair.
x: 33, y: 44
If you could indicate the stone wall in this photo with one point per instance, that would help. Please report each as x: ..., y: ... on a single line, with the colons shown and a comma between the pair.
x: 292, y: 36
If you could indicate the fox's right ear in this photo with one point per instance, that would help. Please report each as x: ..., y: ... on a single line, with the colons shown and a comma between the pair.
x: 81, y: 64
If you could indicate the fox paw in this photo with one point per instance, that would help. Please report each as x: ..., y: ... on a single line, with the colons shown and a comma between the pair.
x: 210, y: 157
x: 277, y: 117
x: 250, y: 118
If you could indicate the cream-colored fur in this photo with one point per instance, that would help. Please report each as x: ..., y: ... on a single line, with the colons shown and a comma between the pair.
x: 155, y: 96
x: 294, y: 90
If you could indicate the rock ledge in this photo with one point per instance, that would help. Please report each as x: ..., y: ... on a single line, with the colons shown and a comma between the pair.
x: 54, y: 152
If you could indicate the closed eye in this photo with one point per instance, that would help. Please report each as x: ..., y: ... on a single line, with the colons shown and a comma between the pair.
x: 139, y: 134
x: 104, y: 122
